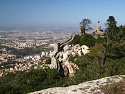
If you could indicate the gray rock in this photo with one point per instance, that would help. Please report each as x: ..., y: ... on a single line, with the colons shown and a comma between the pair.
x: 90, y: 87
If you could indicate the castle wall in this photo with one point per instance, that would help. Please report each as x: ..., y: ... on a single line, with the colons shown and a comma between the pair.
x: 57, y: 47
x: 97, y: 29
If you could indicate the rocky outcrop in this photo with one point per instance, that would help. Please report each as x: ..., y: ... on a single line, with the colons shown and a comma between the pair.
x: 90, y: 87
x: 64, y: 66
x: 60, y: 57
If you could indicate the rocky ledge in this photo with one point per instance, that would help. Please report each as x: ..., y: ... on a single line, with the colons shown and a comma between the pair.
x: 89, y: 87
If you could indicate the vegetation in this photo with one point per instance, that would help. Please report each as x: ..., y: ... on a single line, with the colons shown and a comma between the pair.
x: 85, y: 25
x: 26, y: 51
x: 116, y: 88
x: 32, y: 80
x: 48, y: 61
x: 106, y: 58
x: 87, y: 39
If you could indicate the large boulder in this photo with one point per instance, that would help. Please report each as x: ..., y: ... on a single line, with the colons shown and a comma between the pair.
x: 79, y: 52
x: 66, y: 47
x: 84, y: 51
x: 69, y: 68
x: 85, y: 47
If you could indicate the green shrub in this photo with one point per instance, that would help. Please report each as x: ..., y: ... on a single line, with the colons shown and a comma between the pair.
x: 86, y: 39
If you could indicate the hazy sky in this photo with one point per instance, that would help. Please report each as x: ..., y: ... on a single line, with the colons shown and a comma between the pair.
x: 59, y: 12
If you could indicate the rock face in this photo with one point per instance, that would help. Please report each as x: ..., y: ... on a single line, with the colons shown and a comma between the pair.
x: 90, y: 87
x: 61, y: 59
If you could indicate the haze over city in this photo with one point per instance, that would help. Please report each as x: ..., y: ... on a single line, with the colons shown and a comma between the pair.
x: 59, y: 13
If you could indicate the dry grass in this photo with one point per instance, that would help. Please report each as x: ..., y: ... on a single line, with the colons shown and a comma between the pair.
x: 116, y: 88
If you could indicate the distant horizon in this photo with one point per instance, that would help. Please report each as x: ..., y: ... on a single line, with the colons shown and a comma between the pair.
x: 46, y: 26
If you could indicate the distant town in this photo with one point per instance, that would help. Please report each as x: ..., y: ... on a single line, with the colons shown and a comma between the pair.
x: 23, y: 48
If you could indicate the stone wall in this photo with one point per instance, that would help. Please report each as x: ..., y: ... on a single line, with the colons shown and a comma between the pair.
x: 97, y: 29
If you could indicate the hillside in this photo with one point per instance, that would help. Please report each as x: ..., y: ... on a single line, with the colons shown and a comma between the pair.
x: 104, y: 57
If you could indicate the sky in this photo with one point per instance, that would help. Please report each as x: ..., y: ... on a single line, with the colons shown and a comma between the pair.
x: 59, y: 13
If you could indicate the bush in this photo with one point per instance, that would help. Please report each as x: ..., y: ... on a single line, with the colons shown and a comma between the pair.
x: 86, y: 39
x: 9, y: 89
x: 48, y: 61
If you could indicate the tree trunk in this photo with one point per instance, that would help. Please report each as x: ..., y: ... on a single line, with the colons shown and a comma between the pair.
x: 104, y: 58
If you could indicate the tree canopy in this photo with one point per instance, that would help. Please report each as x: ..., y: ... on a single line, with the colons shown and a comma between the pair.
x: 84, y: 24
